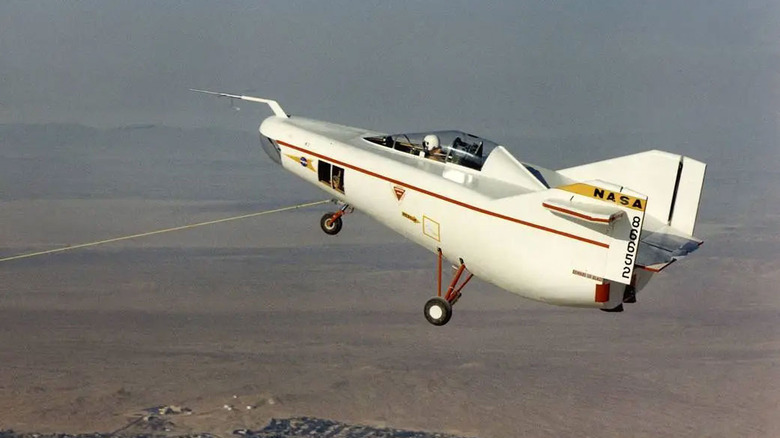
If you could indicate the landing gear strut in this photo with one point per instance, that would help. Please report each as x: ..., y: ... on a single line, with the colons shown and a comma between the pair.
x: 331, y: 223
x: 438, y: 310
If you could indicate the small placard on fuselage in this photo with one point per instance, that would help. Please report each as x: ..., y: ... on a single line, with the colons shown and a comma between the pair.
x: 431, y: 228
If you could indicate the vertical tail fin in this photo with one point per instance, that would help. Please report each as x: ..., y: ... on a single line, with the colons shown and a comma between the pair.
x: 672, y: 183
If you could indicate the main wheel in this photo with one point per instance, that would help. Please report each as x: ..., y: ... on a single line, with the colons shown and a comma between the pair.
x: 329, y: 226
x: 438, y: 311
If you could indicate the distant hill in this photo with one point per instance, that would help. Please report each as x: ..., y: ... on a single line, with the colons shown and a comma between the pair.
x: 277, y: 428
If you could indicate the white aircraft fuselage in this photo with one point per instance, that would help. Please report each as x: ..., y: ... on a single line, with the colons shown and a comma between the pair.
x: 585, y: 236
x: 499, y: 227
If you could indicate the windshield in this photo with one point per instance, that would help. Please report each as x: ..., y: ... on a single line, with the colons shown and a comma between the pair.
x: 454, y: 147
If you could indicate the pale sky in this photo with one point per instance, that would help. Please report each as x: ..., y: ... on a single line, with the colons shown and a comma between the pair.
x: 558, y: 82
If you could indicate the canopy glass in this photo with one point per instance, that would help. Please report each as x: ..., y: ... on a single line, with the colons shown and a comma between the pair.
x: 454, y: 147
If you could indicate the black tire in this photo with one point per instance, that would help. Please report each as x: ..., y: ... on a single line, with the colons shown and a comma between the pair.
x: 330, y: 227
x: 438, y: 311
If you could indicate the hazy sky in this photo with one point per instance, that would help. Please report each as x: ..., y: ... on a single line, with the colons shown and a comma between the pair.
x: 560, y: 80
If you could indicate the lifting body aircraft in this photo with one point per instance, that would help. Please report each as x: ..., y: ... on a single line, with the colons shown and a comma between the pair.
x: 586, y: 236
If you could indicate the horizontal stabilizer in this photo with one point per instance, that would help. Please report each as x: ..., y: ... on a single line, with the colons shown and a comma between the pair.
x: 587, y: 212
x: 659, y: 249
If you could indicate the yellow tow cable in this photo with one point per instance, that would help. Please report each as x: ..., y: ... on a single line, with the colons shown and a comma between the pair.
x: 166, y: 230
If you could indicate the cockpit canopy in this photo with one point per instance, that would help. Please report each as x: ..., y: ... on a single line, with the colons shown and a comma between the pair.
x: 454, y: 147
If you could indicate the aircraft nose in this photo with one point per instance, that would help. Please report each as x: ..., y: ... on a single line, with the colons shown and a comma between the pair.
x: 271, y: 149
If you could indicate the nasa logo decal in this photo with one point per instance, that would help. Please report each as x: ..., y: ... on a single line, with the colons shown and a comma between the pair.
x: 303, y: 161
x: 599, y: 193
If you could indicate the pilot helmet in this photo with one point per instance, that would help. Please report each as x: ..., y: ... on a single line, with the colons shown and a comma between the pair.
x: 430, y: 141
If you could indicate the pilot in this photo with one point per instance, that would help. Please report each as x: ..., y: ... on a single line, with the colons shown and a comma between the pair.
x: 432, y: 148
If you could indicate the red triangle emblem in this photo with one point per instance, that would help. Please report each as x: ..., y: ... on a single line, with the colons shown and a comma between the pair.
x: 399, y: 192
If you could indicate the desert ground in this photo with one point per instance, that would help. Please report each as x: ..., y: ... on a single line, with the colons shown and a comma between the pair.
x: 272, y: 313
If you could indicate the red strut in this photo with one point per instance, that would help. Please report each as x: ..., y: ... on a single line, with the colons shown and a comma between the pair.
x: 438, y: 289
x: 451, y: 289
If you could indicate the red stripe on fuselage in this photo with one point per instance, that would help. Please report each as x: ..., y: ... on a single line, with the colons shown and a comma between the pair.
x: 444, y: 198
x: 574, y: 213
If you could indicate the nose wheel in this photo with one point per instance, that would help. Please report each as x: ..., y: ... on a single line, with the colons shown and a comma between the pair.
x: 331, y: 223
x: 438, y: 310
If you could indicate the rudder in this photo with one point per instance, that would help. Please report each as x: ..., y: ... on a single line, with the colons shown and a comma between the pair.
x: 685, y: 205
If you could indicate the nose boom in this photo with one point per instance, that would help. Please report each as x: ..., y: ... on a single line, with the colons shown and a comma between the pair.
x: 269, y: 146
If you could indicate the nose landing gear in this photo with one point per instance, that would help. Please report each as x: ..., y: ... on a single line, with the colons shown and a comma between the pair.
x: 438, y: 310
x: 331, y: 223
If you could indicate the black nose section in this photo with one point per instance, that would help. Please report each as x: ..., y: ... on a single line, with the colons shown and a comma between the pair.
x: 271, y: 149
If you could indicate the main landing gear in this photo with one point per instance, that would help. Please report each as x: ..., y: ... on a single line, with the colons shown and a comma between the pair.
x: 331, y: 223
x: 438, y: 310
